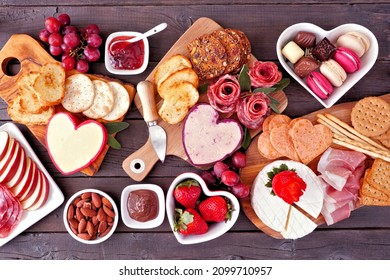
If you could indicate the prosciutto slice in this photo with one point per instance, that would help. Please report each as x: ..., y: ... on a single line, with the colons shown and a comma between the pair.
x: 11, y: 212
x: 252, y: 109
x: 224, y: 93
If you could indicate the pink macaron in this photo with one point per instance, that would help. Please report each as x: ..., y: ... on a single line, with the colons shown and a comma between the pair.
x: 347, y: 59
x: 320, y: 85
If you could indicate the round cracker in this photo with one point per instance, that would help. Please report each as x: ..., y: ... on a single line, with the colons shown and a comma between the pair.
x: 79, y: 93
x: 265, y: 147
x: 102, y: 103
x: 278, y: 120
x: 121, y: 102
x: 371, y: 116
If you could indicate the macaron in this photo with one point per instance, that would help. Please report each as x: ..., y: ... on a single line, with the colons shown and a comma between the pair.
x: 355, y: 41
x: 333, y: 72
x: 319, y: 84
x: 347, y: 59
x: 292, y: 52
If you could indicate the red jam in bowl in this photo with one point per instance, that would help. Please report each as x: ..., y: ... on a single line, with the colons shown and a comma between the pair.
x: 125, y: 55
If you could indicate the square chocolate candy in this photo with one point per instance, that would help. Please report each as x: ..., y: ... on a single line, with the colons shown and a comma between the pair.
x: 324, y: 50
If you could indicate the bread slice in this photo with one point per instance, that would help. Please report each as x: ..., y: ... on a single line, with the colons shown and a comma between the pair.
x: 79, y: 93
x: 173, y: 64
x: 172, y: 114
x: 183, y: 75
x: 19, y: 115
x: 121, y: 102
x: 102, y: 103
x: 29, y: 101
x: 50, y: 84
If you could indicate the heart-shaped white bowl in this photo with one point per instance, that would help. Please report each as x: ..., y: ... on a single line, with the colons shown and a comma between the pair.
x: 215, y: 229
x: 367, y: 60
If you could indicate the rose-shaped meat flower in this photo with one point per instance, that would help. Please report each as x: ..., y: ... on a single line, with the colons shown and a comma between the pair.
x: 252, y: 109
x: 264, y: 74
x: 224, y: 93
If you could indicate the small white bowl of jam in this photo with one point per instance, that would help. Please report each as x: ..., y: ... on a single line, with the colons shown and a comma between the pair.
x: 125, y: 58
x: 142, y: 206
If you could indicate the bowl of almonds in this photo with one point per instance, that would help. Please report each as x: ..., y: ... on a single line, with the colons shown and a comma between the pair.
x: 91, y: 216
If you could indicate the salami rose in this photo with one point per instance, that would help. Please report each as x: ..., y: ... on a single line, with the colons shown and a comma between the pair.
x: 252, y: 109
x: 224, y: 93
x: 264, y: 74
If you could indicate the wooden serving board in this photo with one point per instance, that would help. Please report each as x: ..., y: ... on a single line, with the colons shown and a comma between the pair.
x: 31, y: 55
x: 256, y: 162
x: 146, y: 154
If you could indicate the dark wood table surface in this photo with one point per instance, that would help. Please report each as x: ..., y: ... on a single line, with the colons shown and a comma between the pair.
x: 365, y: 235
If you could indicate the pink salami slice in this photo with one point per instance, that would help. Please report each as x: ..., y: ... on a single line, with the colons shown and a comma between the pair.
x: 224, y: 93
x: 252, y: 109
x: 14, y: 213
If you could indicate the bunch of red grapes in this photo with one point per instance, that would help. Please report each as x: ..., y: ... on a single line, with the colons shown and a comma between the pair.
x: 77, y: 48
x: 225, y: 175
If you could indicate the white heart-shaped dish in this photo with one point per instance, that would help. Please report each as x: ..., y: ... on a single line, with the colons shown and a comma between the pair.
x: 215, y: 229
x: 367, y: 60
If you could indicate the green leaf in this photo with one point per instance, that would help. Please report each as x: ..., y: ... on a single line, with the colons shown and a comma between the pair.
x: 265, y: 90
x: 244, y: 79
x: 247, y: 139
x: 274, y: 104
x: 113, y: 143
x: 114, y: 127
x: 283, y: 83
x: 203, y: 88
x: 276, y: 170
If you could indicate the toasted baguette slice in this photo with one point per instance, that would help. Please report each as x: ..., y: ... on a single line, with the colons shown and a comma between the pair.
x: 183, y: 75
x: 172, y: 114
x: 121, y: 102
x: 29, y: 101
x: 102, y: 103
x: 79, y: 93
x: 50, y: 84
x: 173, y: 64
x: 18, y: 115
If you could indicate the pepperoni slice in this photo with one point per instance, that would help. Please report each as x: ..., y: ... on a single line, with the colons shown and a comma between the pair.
x: 252, y: 109
x: 224, y: 93
x: 13, y: 212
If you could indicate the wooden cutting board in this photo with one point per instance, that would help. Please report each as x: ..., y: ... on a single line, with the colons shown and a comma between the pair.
x: 140, y: 163
x: 31, y: 56
x: 256, y: 162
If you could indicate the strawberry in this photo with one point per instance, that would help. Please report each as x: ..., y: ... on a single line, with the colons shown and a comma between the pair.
x: 288, y: 186
x: 215, y: 209
x: 189, y: 222
x: 187, y: 193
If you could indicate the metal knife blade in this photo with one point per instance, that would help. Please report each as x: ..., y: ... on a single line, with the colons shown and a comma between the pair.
x: 157, y: 134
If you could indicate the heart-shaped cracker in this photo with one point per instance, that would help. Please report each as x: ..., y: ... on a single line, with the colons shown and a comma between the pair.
x: 310, y: 140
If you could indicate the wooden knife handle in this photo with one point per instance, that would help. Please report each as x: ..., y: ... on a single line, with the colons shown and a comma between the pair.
x: 145, y: 90
x: 139, y: 164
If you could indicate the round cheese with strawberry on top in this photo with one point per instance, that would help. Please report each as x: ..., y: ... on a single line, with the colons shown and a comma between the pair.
x: 283, y: 201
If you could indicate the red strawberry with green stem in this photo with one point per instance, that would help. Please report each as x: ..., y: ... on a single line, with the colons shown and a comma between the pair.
x: 215, y: 209
x: 189, y: 222
x: 288, y: 186
x: 187, y: 193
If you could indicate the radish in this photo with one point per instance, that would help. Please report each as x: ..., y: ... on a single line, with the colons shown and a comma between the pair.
x: 206, y: 139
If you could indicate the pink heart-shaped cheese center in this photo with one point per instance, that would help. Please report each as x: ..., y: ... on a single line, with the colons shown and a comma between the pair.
x: 74, y: 146
x: 367, y: 60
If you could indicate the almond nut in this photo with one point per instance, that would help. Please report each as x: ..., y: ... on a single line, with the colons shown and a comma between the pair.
x: 84, y: 236
x: 73, y: 223
x: 96, y: 200
x: 108, y: 211
x: 106, y: 202
x: 70, y: 214
x: 76, y: 200
x: 82, y: 226
x: 105, y: 232
x: 101, y: 215
x: 81, y: 203
x: 79, y: 215
x: 88, y: 212
x: 102, y: 227
x: 86, y: 195
x: 90, y: 228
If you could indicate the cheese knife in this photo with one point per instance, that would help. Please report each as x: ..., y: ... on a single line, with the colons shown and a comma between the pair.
x: 157, y: 134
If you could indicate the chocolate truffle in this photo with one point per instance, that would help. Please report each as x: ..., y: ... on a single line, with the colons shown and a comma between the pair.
x: 324, y: 50
x: 305, y: 66
x: 305, y: 39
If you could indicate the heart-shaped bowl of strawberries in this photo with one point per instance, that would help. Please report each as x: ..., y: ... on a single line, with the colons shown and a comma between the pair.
x: 197, y: 214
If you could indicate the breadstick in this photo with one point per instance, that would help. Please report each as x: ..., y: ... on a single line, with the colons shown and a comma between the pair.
x: 358, y: 149
x: 336, y: 130
x: 353, y: 131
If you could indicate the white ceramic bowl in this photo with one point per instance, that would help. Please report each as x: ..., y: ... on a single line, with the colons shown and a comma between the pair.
x: 124, y: 71
x: 98, y: 239
x: 367, y: 60
x: 215, y: 229
x: 130, y: 222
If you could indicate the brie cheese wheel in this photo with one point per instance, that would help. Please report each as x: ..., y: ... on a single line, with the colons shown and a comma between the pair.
x: 274, y: 211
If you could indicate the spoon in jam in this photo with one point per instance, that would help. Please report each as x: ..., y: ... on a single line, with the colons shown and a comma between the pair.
x: 148, y: 33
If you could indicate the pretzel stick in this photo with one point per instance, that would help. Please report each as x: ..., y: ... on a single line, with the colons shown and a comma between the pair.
x: 353, y: 131
x: 358, y: 149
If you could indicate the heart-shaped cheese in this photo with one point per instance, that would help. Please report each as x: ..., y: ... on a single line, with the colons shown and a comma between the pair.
x: 310, y: 140
x: 215, y: 229
x: 72, y: 145
x: 367, y: 60
x: 206, y: 139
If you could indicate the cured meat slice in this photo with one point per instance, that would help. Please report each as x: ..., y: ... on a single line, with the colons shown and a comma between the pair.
x: 252, y: 109
x: 338, y: 215
x: 224, y: 93
x: 13, y: 213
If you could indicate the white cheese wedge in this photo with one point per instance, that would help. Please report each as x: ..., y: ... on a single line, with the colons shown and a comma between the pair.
x: 273, y: 211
